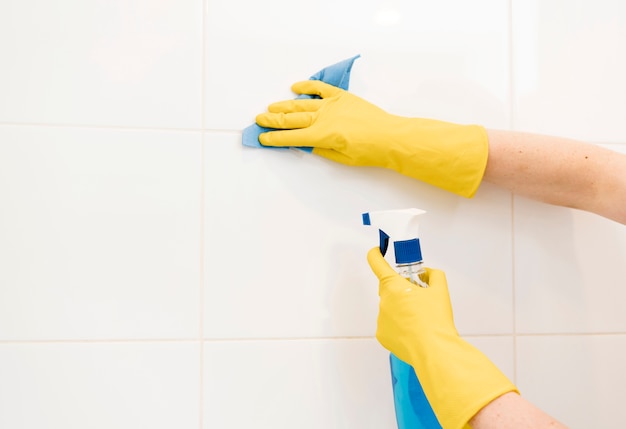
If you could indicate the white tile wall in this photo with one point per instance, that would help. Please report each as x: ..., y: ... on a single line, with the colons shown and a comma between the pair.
x: 418, y: 58
x: 584, y: 373
x: 309, y: 383
x: 569, y: 68
x: 283, y: 265
x: 100, y: 233
x: 306, y: 384
x: 153, y: 272
x: 106, y: 62
x: 335, y: 383
x: 99, y: 385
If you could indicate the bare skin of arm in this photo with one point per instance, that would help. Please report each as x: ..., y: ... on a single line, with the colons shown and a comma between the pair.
x: 556, y: 171
x: 559, y: 171
x: 511, y: 411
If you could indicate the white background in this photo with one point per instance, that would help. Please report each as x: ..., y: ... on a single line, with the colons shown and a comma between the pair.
x: 155, y: 273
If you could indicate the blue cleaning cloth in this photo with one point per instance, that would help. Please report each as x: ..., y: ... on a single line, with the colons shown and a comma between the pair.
x: 337, y: 75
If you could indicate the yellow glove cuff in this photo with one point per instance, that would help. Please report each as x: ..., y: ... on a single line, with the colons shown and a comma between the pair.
x: 452, y: 157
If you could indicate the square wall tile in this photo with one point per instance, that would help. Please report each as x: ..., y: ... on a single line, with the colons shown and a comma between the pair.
x: 579, y: 380
x: 446, y: 59
x: 285, y: 249
x: 471, y: 241
x: 99, y: 385
x: 99, y: 233
x: 104, y: 62
x: 304, y: 384
x: 569, y: 270
x: 569, y: 68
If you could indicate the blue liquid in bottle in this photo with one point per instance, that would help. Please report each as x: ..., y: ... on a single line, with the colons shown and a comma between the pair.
x: 413, y: 411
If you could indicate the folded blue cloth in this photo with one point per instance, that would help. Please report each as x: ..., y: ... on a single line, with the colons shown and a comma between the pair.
x: 337, y: 75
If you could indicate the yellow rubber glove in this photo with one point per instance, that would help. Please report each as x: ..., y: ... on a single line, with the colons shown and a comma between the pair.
x: 416, y: 325
x: 347, y: 129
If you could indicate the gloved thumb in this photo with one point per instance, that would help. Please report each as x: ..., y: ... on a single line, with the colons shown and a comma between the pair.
x: 379, y: 264
x: 315, y: 87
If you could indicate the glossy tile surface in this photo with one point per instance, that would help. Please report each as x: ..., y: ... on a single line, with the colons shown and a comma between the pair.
x: 100, y: 233
x: 569, y: 270
x: 418, y: 58
x: 125, y: 63
x: 569, y: 69
x: 310, y: 384
x: 577, y: 379
x: 285, y: 251
x: 317, y: 383
x: 99, y: 385
x: 155, y: 273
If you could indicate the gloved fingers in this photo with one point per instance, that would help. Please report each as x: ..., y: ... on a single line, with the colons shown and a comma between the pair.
x: 316, y: 87
x: 438, y: 289
x: 389, y: 280
x: 286, y: 121
x: 297, y: 105
x: 382, y: 269
x: 436, y: 278
x: 379, y: 265
x: 333, y: 155
x: 289, y: 138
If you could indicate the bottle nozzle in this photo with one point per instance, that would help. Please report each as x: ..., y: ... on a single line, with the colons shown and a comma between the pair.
x: 401, y: 226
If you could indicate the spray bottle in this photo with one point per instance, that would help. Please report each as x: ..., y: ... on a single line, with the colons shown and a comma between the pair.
x: 401, y: 227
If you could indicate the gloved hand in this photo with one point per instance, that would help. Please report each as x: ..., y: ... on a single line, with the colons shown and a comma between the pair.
x: 347, y: 129
x: 416, y: 325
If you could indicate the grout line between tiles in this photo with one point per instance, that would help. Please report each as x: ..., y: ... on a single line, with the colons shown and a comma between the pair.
x: 284, y: 339
x: 202, y: 215
x: 130, y: 128
x: 103, y: 341
x: 201, y: 286
x: 287, y: 339
x: 120, y: 127
x: 573, y: 334
x: 340, y: 338
x: 514, y: 289
x: 99, y: 127
x: 357, y: 338
x: 512, y: 125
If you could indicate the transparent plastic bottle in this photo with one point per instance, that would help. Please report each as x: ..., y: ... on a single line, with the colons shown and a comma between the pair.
x: 414, y: 272
x: 413, y: 411
x: 409, y: 262
x: 398, y: 230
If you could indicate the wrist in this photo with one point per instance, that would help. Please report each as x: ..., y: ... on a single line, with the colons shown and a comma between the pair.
x: 450, y: 156
x: 457, y: 379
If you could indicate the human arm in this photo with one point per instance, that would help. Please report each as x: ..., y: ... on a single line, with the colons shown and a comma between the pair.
x: 512, y: 411
x: 345, y: 128
x: 461, y: 384
x: 559, y: 171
